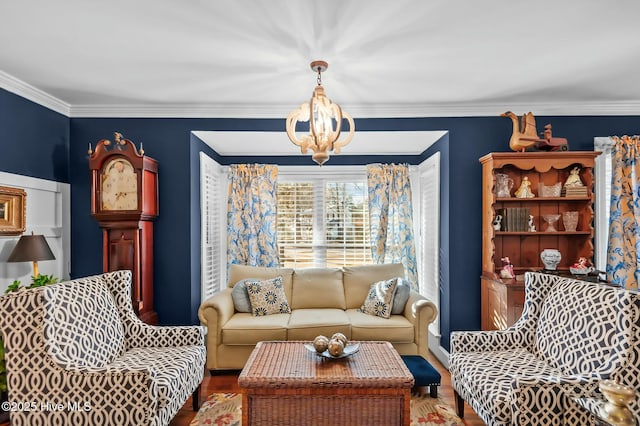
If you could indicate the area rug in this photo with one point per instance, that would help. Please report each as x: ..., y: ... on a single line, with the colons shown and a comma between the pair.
x: 225, y: 409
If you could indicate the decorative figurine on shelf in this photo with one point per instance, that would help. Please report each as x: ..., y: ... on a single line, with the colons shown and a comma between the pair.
x: 532, y: 226
x: 497, y: 222
x: 582, y: 263
x: 507, y: 269
x: 525, y: 189
x: 581, y: 267
x: 574, y: 178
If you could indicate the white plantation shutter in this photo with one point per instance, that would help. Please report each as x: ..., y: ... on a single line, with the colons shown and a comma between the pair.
x: 212, y: 216
x: 346, y: 222
x: 323, y: 218
x: 295, y: 224
x: 429, y: 270
x: 603, y: 199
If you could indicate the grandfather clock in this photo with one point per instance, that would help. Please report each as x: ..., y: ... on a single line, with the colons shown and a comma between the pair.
x: 124, y: 201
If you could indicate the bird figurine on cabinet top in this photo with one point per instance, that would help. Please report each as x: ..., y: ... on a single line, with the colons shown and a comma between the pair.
x: 524, y: 132
x: 525, y: 135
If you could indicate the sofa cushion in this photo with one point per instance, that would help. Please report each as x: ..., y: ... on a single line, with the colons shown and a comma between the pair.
x: 240, y: 272
x: 380, y: 298
x: 318, y: 288
x: 400, y: 298
x: 245, y: 329
x: 489, y: 378
x: 306, y: 324
x: 240, y: 296
x: 267, y: 297
x: 176, y: 370
x: 358, y: 280
x: 396, y: 329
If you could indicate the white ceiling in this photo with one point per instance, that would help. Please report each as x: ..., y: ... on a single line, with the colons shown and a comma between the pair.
x: 387, y: 58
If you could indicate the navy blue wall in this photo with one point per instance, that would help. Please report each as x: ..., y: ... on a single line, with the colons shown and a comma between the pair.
x: 37, y: 142
x: 34, y: 140
x: 176, y: 283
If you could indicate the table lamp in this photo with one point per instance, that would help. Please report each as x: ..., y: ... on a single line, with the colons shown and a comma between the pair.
x: 31, y: 248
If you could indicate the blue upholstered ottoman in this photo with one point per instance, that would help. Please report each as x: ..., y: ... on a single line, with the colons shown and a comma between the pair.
x: 424, y: 373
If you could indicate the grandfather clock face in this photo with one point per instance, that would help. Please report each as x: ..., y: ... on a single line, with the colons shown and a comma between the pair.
x: 119, y: 186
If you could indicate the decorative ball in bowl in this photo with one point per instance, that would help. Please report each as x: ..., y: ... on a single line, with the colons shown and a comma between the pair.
x: 341, y: 337
x: 337, y: 343
x: 335, y: 347
x: 321, y: 343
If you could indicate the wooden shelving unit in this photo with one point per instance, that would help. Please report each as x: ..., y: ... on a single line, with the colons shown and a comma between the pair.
x: 502, y: 300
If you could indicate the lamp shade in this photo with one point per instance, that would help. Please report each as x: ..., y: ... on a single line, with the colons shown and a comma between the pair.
x: 31, y: 248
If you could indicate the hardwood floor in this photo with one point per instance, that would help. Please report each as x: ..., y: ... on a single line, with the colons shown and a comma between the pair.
x: 228, y: 382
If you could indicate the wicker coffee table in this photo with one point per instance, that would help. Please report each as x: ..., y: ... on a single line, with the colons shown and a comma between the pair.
x: 283, y: 383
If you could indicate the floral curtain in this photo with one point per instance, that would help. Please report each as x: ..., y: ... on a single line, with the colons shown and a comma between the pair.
x: 251, y: 217
x: 391, y: 217
x: 623, y: 252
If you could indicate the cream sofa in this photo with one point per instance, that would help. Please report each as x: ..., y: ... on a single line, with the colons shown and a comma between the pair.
x: 323, y: 301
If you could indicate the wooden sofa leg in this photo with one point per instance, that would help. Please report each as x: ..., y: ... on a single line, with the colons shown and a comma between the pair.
x: 459, y: 405
x: 195, y: 397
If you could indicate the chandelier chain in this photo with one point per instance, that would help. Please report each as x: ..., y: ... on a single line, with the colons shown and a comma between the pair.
x: 319, y: 79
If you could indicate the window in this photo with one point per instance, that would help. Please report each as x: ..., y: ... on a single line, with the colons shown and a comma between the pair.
x: 295, y: 224
x: 347, y: 224
x: 323, y: 221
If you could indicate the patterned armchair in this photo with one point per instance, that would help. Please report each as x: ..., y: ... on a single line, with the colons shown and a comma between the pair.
x: 571, y: 335
x: 77, y: 354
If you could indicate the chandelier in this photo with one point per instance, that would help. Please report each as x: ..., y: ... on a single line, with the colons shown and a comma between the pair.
x: 325, y: 122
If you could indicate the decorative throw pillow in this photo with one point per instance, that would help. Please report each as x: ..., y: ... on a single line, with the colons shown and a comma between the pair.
x: 380, y: 298
x: 267, y: 297
x: 240, y: 295
x: 400, y: 298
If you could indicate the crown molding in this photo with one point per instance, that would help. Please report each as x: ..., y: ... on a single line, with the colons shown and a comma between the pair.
x: 180, y: 111
x: 494, y: 109
x: 27, y: 91
x: 279, y: 111
x: 357, y: 111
